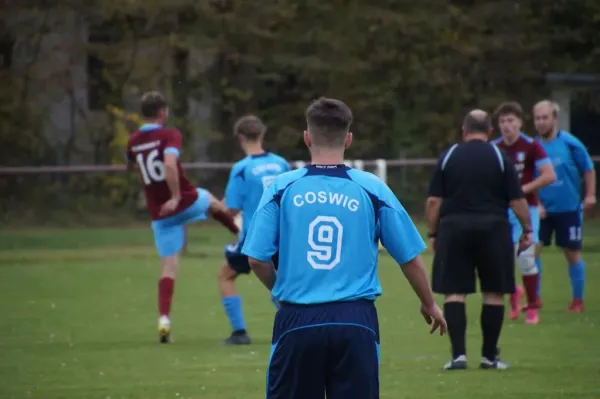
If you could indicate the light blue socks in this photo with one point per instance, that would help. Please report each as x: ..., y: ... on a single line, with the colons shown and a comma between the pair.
x: 233, y: 309
x: 577, y: 277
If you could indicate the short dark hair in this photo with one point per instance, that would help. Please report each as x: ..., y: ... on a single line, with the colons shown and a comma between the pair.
x: 328, y: 121
x: 508, y: 108
x: 250, y: 127
x: 477, y: 122
x: 151, y: 104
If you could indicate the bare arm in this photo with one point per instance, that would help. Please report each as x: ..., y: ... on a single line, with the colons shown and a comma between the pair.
x: 589, y: 178
x: 546, y: 177
x: 416, y: 274
x: 432, y: 213
x: 233, y: 212
x: 521, y: 210
x: 265, y: 271
x: 172, y: 175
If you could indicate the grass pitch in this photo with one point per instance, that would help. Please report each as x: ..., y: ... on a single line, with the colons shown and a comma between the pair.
x: 78, y: 320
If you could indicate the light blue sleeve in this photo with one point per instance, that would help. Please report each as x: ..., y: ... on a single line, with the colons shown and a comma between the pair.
x: 172, y: 150
x: 262, y: 240
x: 398, y: 233
x: 235, y: 192
x: 580, y: 155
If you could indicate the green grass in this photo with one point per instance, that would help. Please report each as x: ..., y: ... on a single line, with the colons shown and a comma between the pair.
x: 78, y: 321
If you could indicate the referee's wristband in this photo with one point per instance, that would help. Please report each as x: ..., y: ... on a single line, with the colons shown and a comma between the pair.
x: 431, y: 235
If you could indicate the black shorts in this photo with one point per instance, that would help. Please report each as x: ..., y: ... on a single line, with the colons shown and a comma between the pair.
x: 470, y: 245
x: 331, y: 347
x: 238, y: 261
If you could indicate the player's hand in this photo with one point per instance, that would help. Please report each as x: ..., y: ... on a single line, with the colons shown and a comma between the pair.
x: 589, y: 202
x: 542, y: 211
x: 432, y: 244
x: 525, y: 241
x: 169, y: 206
x: 435, y: 318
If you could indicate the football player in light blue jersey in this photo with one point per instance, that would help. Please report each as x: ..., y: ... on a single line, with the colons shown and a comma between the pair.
x: 325, y: 221
x: 561, y: 209
x: 247, y: 181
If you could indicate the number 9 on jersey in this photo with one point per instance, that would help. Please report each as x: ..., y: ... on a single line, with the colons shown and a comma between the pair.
x: 325, y: 236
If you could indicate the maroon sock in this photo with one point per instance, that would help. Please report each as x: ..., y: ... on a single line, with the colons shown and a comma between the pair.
x: 166, y: 286
x: 531, y: 288
x: 226, y: 221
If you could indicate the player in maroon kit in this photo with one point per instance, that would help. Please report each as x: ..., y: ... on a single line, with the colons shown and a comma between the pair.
x: 530, y: 161
x: 171, y: 199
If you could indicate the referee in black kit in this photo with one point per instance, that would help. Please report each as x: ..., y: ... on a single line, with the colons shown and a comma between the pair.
x: 467, y: 211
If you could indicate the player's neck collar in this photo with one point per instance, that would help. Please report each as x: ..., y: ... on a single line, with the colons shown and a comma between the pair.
x: 262, y: 154
x: 328, y: 170
x: 514, y: 141
x: 146, y: 127
x: 554, y: 137
x: 320, y: 166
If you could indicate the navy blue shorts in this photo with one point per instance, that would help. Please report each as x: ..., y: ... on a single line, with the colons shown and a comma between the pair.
x: 238, y: 261
x: 329, y: 348
x: 567, y: 227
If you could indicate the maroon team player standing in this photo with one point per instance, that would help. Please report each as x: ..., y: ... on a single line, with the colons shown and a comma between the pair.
x: 171, y: 199
x: 530, y: 160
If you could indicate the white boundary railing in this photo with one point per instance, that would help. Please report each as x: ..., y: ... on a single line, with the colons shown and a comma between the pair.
x: 37, y: 170
x: 376, y: 166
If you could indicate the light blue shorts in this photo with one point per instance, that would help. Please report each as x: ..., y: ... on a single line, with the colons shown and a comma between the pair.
x: 169, y: 233
x: 517, y: 230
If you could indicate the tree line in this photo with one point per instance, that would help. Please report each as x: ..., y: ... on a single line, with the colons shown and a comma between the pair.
x: 409, y: 70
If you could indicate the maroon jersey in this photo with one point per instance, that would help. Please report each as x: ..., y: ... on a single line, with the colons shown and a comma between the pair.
x: 147, y: 147
x: 527, y: 154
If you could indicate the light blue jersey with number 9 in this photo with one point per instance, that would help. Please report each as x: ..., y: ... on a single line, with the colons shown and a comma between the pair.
x: 326, y: 223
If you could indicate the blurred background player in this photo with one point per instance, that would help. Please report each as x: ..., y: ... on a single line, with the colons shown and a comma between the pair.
x: 171, y: 199
x: 561, y: 202
x: 528, y: 157
x: 247, y: 181
x: 325, y: 220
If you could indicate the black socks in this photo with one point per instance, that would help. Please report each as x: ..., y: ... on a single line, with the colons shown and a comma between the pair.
x: 492, y: 317
x: 456, y: 318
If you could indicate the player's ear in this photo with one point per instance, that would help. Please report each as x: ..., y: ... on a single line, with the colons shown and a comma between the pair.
x: 307, y: 139
x: 348, y: 140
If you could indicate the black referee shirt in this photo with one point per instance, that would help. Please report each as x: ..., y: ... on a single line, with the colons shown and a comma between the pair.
x: 475, y: 177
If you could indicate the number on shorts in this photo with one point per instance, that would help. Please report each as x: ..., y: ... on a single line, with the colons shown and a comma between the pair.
x: 153, y: 169
x: 575, y: 233
x: 267, y: 180
x: 325, y: 235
